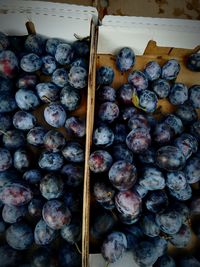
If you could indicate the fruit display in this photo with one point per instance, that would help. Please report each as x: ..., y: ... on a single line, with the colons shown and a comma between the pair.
x: 144, y: 161
x: 43, y: 86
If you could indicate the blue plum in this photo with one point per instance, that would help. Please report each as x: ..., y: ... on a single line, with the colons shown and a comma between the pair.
x: 54, y: 141
x: 56, y: 214
x: 182, y: 194
x: 27, y: 81
x: 50, y: 161
x: 140, y: 190
x: 5, y: 159
x: 32, y: 176
x: 73, y: 174
x: 176, y: 180
x: 7, y: 103
x: 35, y: 207
x: 6, y: 84
x: 104, y: 194
x: 75, y: 126
x: 120, y: 133
x: 148, y: 156
x: 73, y: 152
x: 81, y: 48
x: 193, y: 62
x: 162, y: 133
x: 103, y: 136
x: 160, y: 245
x: 137, y: 121
x: 26, y: 99
x: 9, y: 64
x: 121, y: 152
x: 100, y: 161
x: 35, y: 43
x: 68, y: 256
x: 24, y: 121
x: 55, y: 115
x: 72, y: 232
x: 152, y: 178
x: 170, y: 69
x: 77, y: 77
x: 48, y: 64
x: 161, y: 87
x: 19, y: 236
x: 182, y: 238
x: 60, y: 77
x: 138, y: 80
x: 125, y: 59
x: 14, y: 139
x: 148, y: 101
x: 194, y: 96
x: 73, y: 200
x: 13, y: 214
x: 186, y: 113
x: 70, y: 98
x: 156, y: 201
x: 21, y: 159
x: 51, y: 186
x: 127, y: 113
x: 125, y: 94
x: 43, y: 234
x: 138, y: 140
x: 36, y: 135
x: 106, y: 93
x: 178, y: 94
x: 47, y: 92
x: 105, y: 75
x: 108, y: 112
x: 144, y: 254
x: 187, y: 143
x: 152, y: 70
x: 30, y: 62
x: 149, y: 226
x: 192, y: 170
x: 64, y: 53
x: 175, y: 123
x: 51, y: 45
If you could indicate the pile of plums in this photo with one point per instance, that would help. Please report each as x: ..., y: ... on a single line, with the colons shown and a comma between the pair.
x: 144, y: 169
x: 42, y: 81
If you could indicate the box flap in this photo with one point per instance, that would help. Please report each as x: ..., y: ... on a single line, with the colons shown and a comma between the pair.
x: 50, y: 19
x: 135, y: 32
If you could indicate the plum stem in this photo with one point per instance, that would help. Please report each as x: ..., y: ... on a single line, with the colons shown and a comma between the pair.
x: 77, y: 247
x: 4, y: 133
x: 46, y: 98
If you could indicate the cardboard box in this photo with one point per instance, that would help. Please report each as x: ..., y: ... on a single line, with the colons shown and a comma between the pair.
x: 170, y: 38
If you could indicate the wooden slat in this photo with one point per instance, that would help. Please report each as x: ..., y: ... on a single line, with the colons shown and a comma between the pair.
x: 89, y: 130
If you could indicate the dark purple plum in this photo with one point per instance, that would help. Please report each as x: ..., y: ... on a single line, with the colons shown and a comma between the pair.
x: 125, y: 59
x: 152, y: 70
x: 47, y: 92
x: 43, y: 234
x: 188, y: 260
x: 13, y: 214
x: 170, y: 158
x: 64, y: 53
x: 194, y: 96
x: 195, y: 206
x: 178, y: 94
x: 176, y: 180
x: 51, y: 186
x: 127, y: 113
x: 120, y: 133
x: 69, y: 256
x: 41, y: 257
x: 16, y: 194
x: 6, y: 178
x: 175, y: 123
x: 54, y: 141
x: 140, y: 190
x: 23, y: 120
x: 147, y: 101
x: 9, y: 256
x: 103, y: 193
x: 81, y: 47
x: 8, y: 64
x: 103, y: 136
x: 183, y: 194
x: 195, y: 129
x: 138, y: 80
x: 165, y: 261
x: 100, y: 161
x: 6, y: 85
x: 187, y: 143
x: 35, y: 207
x: 169, y: 221
x: 78, y: 77
x: 27, y: 81
x: 156, y: 201
x: 105, y: 75
x: 108, y: 112
x: 26, y: 99
x: 148, y: 156
x: 30, y: 62
x: 19, y: 236
x: 183, y: 209
x: 48, y: 64
x: 80, y: 62
x: 60, y: 77
x: 5, y: 123
x: 14, y: 139
x: 50, y: 161
x: 145, y: 254
x: 55, y: 115
x: 36, y: 135
x: 138, y: 140
x: 170, y: 69
x: 70, y: 98
x: 35, y: 43
x: 192, y: 170
x: 182, y: 238
x: 149, y: 226
x: 51, y: 45
x: 114, y: 246
x: 138, y: 121
x: 72, y: 174
x: 72, y: 232
x: 73, y: 152
x: 4, y: 41
x: 7, y: 103
x: 122, y: 175
x: 21, y: 159
x: 125, y: 94
x: 152, y: 178
x: 186, y: 113
x: 5, y: 159
x: 75, y: 126
x: 72, y: 200
x: 56, y: 214
x: 106, y: 93
x: 162, y: 133
x: 160, y: 245
x: 129, y: 206
x: 193, y: 62
x: 121, y: 152
x: 161, y: 87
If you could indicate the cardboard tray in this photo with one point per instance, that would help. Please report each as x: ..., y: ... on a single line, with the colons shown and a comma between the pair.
x: 151, y: 39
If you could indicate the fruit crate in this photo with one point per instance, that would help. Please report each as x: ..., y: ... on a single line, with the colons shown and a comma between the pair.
x: 151, y: 39
x: 54, y: 20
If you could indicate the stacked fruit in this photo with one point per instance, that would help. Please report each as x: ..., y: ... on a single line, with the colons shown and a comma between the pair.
x: 42, y: 81
x: 143, y: 169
